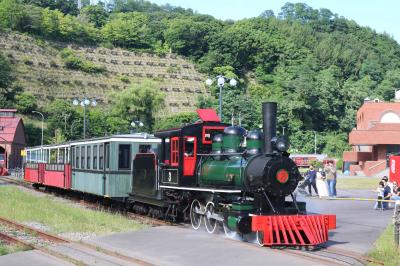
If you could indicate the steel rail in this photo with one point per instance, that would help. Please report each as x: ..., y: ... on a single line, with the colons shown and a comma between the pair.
x: 53, y: 253
x: 13, y: 240
x: 58, y: 239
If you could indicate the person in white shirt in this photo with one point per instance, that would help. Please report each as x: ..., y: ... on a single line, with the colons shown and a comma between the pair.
x: 322, y: 186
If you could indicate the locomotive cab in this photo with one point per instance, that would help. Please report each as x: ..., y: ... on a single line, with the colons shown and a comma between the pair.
x: 181, y: 149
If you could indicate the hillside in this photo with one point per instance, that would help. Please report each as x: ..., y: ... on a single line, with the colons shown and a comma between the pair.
x: 40, y: 70
x: 318, y: 65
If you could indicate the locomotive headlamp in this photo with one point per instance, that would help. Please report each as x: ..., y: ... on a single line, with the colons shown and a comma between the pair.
x: 280, y: 143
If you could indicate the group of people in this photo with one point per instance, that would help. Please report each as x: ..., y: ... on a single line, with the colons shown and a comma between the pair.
x: 323, y: 181
x: 386, y: 191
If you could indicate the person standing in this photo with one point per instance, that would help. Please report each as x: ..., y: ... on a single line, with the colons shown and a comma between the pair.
x: 312, y: 178
x: 330, y: 173
x: 321, y: 184
x: 387, y: 191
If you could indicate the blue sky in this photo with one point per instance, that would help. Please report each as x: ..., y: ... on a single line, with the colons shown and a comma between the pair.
x: 381, y: 15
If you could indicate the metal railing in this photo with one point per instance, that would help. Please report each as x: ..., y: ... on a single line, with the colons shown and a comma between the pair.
x: 376, y: 165
x: 17, y: 173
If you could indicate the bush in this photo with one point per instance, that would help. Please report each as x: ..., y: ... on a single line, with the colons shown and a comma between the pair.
x: 125, y: 79
x: 74, y: 62
x: 26, y: 102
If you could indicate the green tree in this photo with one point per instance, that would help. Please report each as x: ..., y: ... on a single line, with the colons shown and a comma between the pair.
x: 189, y: 37
x: 175, y: 121
x: 12, y: 15
x: 128, y: 30
x: 138, y: 102
x: 62, y: 116
x: 6, y: 74
x: 65, y: 6
x: 8, y: 90
x: 95, y: 14
x: 26, y: 102
x: 335, y: 144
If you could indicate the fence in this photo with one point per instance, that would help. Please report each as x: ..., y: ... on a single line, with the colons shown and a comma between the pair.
x: 396, y: 221
x: 17, y: 173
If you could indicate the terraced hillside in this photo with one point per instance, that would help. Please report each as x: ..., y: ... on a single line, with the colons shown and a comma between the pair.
x: 40, y: 70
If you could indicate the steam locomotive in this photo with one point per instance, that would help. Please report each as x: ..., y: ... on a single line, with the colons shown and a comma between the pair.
x: 206, y: 172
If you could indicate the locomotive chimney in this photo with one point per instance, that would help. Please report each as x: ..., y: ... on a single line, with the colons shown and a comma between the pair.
x: 269, y: 124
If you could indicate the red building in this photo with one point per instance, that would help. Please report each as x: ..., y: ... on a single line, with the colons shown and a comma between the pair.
x: 376, y: 137
x: 12, y: 139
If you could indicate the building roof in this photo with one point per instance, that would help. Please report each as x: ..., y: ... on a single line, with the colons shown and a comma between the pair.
x: 9, y: 127
x: 377, y: 123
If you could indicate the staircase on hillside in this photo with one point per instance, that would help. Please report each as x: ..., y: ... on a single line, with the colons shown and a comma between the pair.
x: 40, y: 71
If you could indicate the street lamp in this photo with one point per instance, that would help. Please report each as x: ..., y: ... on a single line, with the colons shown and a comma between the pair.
x: 315, y: 142
x: 84, y: 103
x: 283, y: 131
x: 41, y: 143
x: 221, y: 82
x: 136, y: 124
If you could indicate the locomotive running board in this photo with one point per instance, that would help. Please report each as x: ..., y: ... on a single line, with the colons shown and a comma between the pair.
x: 292, y: 230
x: 203, y: 189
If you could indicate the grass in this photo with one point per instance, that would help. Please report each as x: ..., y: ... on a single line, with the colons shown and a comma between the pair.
x: 8, y: 249
x: 357, y: 183
x: 60, y: 217
x: 385, y: 250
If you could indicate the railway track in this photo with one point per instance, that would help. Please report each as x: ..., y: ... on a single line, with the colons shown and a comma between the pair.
x: 13, y: 232
x: 324, y: 255
x: 91, y: 205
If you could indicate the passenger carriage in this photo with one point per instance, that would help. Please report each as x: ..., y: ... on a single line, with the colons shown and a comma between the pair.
x: 100, y: 166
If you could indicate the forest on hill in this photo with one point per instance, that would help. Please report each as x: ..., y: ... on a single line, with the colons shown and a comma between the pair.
x: 317, y: 65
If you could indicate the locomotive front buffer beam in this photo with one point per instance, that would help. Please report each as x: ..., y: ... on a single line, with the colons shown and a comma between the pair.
x: 292, y: 230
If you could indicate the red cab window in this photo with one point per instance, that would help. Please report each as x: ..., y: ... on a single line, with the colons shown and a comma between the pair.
x: 189, y: 160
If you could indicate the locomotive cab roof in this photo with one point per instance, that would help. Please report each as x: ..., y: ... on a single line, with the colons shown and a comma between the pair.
x: 207, y: 118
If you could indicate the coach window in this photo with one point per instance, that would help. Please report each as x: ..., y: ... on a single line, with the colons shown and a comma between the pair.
x: 77, y: 149
x: 107, y: 155
x: 72, y: 157
x: 101, y: 156
x: 89, y: 154
x: 124, y: 156
x: 83, y: 157
x: 95, y: 157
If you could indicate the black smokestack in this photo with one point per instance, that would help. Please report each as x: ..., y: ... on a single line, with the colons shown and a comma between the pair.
x: 269, y: 124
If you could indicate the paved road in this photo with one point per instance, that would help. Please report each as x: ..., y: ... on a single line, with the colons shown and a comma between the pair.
x: 168, y: 245
x: 358, y: 226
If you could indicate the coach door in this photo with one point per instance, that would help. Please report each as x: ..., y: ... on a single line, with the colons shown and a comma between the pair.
x: 189, y: 156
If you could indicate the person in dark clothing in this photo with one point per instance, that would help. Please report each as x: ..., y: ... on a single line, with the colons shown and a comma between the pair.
x: 312, y: 180
x: 387, y: 192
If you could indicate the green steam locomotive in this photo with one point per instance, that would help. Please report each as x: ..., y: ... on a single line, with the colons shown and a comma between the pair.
x: 220, y: 174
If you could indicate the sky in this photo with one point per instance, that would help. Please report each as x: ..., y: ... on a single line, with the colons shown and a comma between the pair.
x: 380, y: 15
